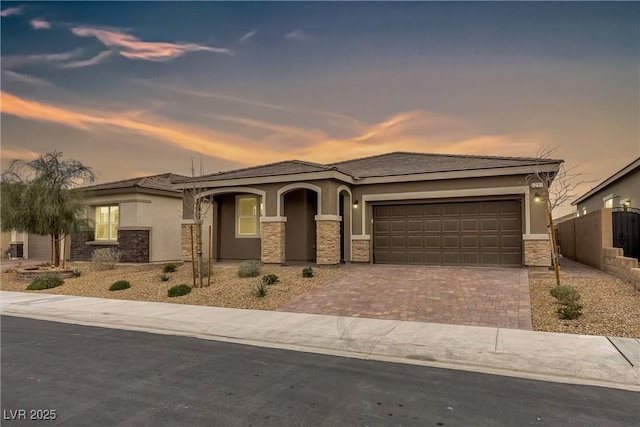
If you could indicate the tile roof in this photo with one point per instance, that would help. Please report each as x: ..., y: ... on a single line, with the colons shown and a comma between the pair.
x: 389, y: 164
x: 405, y: 163
x: 154, y: 182
x: 286, y: 167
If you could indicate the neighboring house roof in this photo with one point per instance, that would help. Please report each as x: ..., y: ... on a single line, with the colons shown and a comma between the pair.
x: 612, y: 179
x: 162, y: 183
x: 383, y: 165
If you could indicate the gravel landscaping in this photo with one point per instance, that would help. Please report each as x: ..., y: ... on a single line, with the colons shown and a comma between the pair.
x: 611, y: 306
x: 226, y: 290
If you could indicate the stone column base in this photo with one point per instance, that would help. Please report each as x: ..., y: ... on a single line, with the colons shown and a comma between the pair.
x: 185, y: 241
x: 360, y: 250
x: 537, y: 253
x: 327, y: 240
x: 272, y: 239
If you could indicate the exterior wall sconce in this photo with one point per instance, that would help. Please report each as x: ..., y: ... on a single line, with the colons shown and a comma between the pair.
x: 537, y: 198
x: 355, y: 204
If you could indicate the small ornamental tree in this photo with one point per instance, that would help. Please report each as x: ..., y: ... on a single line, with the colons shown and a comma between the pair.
x: 41, y: 197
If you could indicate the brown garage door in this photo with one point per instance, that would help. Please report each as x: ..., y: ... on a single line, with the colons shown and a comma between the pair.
x: 487, y: 233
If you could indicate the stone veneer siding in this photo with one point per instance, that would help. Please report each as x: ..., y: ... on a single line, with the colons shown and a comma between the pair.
x: 327, y: 242
x: 80, y: 251
x: 537, y: 253
x: 185, y: 241
x: 272, y: 248
x: 360, y: 250
x: 133, y: 245
x: 614, y: 262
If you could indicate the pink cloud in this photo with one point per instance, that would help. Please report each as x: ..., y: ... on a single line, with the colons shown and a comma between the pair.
x: 40, y: 24
x: 88, y: 62
x: 11, y: 11
x: 132, y: 48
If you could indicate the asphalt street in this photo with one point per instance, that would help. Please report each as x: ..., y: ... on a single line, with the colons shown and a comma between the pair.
x: 105, y: 377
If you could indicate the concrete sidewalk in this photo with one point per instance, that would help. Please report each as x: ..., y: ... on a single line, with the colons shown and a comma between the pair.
x: 577, y: 359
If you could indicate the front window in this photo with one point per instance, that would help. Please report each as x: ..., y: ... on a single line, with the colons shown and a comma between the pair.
x: 107, y: 218
x: 247, y: 216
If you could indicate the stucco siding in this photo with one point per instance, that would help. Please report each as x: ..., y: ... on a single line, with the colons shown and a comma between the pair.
x: 627, y: 187
x: 230, y: 247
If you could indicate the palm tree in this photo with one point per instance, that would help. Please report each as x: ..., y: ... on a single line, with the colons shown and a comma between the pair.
x: 41, y: 197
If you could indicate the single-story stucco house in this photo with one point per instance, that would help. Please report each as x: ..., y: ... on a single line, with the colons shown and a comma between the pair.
x: 620, y: 190
x: 395, y: 208
x: 141, y: 217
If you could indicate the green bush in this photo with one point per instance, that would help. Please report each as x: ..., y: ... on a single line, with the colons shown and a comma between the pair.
x: 566, y: 295
x: 178, y: 291
x: 261, y: 290
x: 120, y: 285
x: 270, y: 279
x: 307, y: 272
x: 105, y: 258
x: 47, y: 281
x: 249, y: 268
x: 76, y: 272
x: 169, y: 268
x: 570, y: 312
x: 164, y: 277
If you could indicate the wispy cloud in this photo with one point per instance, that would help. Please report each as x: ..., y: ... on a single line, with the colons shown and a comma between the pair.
x: 341, y: 120
x: 24, y: 78
x: 18, y: 60
x: 88, y: 62
x: 40, y: 24
x: 248, y: 36
x: 297, y: 35
x: 411, y: 131
x: 131, y: 47
x: 11, y: 11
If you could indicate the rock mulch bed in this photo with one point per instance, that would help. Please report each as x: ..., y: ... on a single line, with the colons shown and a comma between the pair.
x: 611, y: 306
x: 226, y: 290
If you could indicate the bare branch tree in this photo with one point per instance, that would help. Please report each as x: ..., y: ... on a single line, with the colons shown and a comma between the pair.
x: 557, y: 187
x: 200, y: 207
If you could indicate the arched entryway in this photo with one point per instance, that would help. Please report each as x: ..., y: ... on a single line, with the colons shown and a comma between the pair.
x: 300, y: 206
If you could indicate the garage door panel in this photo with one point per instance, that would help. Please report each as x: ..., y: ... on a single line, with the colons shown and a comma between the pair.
x: 414, y: 226
x: 489, y: 225
x: 451, y: 225
x: 456, y: 233
x: 470, y: 225
x: 398, y: 242
x: 414, y: 242
x: 510, y: 225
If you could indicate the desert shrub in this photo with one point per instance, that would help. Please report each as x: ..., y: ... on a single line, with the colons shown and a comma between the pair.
x: 570, y: 312
x: 566, y: 295
x: 76, y: 272
x: 105, y: 258
x: 47, y: 281
x: 164, y: 277
x: 270, y: 279
x: 178, y: 291
x: 307, y: 272
x: 261, y: 290
x: 120, y: 285
x: 169, y: 268
x: 249, y: 268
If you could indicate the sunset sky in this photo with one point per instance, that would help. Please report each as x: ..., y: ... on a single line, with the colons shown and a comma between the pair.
x: 135, y: 89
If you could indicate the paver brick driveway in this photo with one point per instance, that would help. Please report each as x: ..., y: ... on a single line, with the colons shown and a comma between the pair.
x: 497, y: 297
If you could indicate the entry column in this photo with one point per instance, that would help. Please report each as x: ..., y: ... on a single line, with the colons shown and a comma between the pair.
x: 328, y: 239
x: 272, y: 239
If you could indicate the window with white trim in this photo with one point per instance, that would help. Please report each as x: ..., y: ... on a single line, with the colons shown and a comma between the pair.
x: 107, y: 220
x: 247, y: 216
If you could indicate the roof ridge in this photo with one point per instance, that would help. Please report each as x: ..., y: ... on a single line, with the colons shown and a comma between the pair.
x: 476, y: 156
x: 319, y: 165
x: 242, y: 169
x: 136, y: 179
